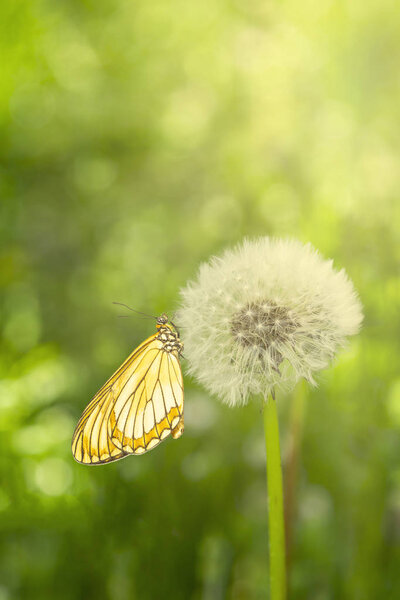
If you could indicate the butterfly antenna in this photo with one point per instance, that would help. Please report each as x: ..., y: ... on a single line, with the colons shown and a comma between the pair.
x: 135, y: 311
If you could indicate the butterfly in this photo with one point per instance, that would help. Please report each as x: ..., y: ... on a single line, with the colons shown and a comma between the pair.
x: 139, y: 406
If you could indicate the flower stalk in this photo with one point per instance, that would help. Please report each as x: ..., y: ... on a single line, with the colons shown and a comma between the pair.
x: 292, y: 464
x: 277, y: 560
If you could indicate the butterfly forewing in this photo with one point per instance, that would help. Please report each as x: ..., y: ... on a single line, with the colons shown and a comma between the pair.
x: 139, y: 406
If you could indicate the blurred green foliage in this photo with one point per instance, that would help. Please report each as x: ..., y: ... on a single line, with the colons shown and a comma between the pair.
x: 137, y: 139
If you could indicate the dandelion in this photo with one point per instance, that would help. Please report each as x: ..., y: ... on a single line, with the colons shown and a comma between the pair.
x: 264, y: 315
x: 256, y: 320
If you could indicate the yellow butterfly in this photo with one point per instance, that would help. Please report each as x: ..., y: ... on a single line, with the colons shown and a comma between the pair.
x: 139, y: 406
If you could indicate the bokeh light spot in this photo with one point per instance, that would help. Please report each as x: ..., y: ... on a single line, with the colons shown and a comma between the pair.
x: 53, y: 476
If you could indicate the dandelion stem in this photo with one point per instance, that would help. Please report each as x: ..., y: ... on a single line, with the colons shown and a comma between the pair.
x: 277, y: 568
x: 297, y: 418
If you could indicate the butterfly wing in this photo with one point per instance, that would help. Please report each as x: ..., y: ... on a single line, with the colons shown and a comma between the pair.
x: 151, y: 407
x: 140, y: 405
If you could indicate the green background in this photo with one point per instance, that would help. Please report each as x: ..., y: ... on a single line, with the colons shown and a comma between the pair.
x: 137, y: 139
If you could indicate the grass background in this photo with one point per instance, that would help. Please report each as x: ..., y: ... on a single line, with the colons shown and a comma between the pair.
x: 137, y: 139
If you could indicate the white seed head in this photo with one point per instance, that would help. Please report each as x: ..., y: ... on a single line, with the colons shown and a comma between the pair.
x: 263, y: 315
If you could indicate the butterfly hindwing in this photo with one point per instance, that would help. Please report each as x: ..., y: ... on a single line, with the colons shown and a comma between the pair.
x: 141, y: 419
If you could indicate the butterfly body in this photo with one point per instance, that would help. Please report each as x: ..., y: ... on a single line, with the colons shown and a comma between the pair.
x: 139, y: 406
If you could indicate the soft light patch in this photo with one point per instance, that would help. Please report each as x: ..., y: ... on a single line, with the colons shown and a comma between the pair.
x: 53, y: 476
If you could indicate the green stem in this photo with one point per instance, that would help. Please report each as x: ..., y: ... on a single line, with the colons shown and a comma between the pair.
x: 277, y: 568
x: 292, y: 462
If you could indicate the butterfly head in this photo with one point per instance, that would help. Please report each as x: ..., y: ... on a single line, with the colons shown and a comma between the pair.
x: 162, y: 321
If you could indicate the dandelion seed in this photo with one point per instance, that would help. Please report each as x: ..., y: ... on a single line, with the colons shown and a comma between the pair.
x: 289, y: 312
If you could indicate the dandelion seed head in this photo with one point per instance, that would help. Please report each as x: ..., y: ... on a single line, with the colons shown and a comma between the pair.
x: 263, y: 315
